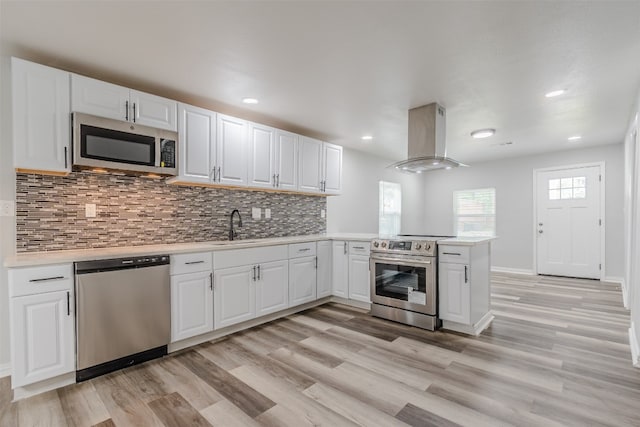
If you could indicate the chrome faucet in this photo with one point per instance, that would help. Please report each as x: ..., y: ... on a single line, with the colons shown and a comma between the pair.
x: 232, y: 233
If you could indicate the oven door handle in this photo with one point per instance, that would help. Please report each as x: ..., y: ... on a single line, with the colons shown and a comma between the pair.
x: 400, y: 261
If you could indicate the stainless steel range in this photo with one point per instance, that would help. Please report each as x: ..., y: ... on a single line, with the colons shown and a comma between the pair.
x: 404, y: 280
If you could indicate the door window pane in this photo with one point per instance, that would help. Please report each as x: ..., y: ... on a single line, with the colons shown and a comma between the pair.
x: 554, y: 184
x: 568, y: 188
x: 554, y: 194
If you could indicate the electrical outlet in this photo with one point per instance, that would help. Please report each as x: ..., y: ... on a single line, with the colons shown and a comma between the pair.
x: 256, y: 213
x: 90, y: 210
x: 323, y: 213
x: 267, y: 213
x: 7, y: 208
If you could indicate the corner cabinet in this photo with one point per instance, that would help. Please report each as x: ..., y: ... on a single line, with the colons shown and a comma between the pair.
x: 104, y: 99
x: 42, y: 317
x: 464, y: 287
x: 41, y: 117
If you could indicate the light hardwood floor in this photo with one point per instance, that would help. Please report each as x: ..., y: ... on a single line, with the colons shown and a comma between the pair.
x: 556, y: 354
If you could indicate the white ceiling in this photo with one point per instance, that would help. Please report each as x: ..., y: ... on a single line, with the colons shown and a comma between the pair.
x: 339, y: 70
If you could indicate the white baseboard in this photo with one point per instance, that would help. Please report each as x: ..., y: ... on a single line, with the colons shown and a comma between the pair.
x: 623, y: 285
x: 495, y: 269
x: 5, y: 370
x: 635, y: 346
x: 475, y: 329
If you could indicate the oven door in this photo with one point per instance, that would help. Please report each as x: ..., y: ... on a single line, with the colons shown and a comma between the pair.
x: 404, y: 283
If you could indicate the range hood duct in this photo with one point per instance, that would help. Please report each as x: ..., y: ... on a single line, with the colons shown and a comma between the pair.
x: 427, y: 141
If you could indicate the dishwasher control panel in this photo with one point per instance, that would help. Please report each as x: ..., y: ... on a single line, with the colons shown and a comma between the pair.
x: 94, y: 266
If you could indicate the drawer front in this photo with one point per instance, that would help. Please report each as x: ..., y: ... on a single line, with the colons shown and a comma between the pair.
x: 297, y: 250
x: 359, y: 248
x: 36, y: 280
x: 453, y: 254
x: 191, y: 263
x: 249, y: 256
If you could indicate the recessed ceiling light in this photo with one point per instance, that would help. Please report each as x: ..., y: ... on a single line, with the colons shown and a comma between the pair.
x: 436, y: 163
x: 418, y: 171
x: 574, y: 138
x: 483, y: 133
x: 554, y: 93
x: 367, y: 138
x: 448, y: 168
x: 249, y: 100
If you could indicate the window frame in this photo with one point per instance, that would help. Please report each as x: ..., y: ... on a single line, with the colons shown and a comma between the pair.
x: 487, y: 216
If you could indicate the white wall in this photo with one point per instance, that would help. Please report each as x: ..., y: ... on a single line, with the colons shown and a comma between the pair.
x: 513, y: 181
x: 7, y: 192
x: 356, y: 209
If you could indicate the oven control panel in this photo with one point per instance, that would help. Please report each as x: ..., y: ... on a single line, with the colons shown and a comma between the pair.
x: 409, y: 247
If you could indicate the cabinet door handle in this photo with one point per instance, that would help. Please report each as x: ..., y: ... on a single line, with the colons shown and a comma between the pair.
x: 316, y: 262
x: 274, y: 180
x: 345, y: 248
x: 66, y: 163
x: 211, y: 281
x: 194, y: 262
x: 134, y: 112
x: 258, y: 271
x: 277, y: 180
x: 254, y: 273
x: 68, y: 304
x: 126, y: 111
x: 46, y: 279
x: 466, y: 277
x: 450, y: 253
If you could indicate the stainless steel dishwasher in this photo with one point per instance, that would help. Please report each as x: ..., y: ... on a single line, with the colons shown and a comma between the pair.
x: 123, y: 313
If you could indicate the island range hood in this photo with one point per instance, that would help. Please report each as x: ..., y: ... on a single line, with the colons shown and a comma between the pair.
x: 427, y: 141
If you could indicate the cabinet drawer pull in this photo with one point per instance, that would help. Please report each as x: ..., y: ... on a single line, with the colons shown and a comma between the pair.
x: 45, y: 279
x: 304, y: 249
x: 358, y: 247
x: 194, y: 262
x: 451, y: 253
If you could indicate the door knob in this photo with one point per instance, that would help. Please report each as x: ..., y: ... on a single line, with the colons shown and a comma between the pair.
x: 540, y: 224
x: 540, y: 231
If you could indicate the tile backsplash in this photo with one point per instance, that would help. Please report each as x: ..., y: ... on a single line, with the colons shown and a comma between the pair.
x: 134, y: 211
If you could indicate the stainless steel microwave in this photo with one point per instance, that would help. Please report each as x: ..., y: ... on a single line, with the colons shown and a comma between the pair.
x: 99, y: 142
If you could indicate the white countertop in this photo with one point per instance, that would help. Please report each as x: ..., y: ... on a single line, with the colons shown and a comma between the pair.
x: 57, y: 257
x: 466, y: 241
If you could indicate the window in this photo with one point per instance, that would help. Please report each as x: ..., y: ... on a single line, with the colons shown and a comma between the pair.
x: 389, y: 208
x: 474, y: 212
x: 568, y: 188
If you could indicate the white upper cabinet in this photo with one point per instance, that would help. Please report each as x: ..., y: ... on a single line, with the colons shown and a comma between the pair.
x: 41, y: 117
x: 320, y: 166
x: 262, y: 156
x: 310, y: 161
x: 197, y: 136
x: 286, y: 160
x: 104, y: 99
x: 332, y: 167
x: 231, y: 151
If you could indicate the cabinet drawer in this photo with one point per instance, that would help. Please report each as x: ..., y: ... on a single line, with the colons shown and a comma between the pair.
x: 191, y: 263
x: 359, y: 248
x: 35, y: 280
x: 248, y: 256
x: 455, y: 254
x: 297, y: 250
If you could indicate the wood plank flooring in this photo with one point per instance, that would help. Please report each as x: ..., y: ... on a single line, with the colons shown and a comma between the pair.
x: 556, y: 354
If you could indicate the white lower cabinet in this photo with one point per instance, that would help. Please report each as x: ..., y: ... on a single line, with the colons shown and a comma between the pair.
x: 359, y: 278
x: 42, y: 323
x: 234, y: 296
x: 324, y: 272
x: 454, y: 295
x: 340, y: 264
x: 302, y: 280
x: 272, y: 287
x: 191, y: 305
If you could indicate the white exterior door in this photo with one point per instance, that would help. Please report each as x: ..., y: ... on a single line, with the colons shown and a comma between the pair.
x: 43, y: 336
x: 41, y: 124
x: 191, y: 305
x: 261, y: 156
x: 272, y: 289
x: 568, y: 222
x: 234, y: 296
x: 197, y: 136
x: 302, y: 280
x: 232, y: 150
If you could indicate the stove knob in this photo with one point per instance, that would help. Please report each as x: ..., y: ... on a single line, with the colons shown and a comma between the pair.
x: 418, y: 246
x: 376, y: 244
x: 427, y: 247
x: 384, y: 244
